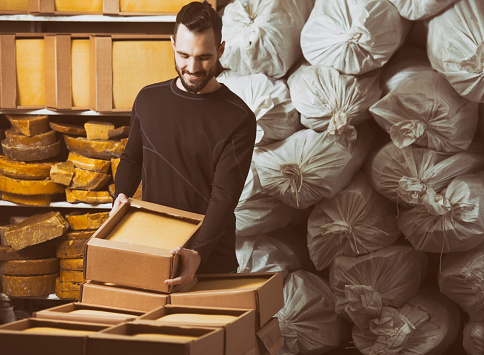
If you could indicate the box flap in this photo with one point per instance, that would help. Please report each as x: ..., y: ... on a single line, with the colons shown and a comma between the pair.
x: 8, y: 78
x: 58, y: 91
x: 270, y: 338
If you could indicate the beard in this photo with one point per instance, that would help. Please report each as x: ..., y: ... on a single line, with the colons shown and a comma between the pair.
x: 195, y: 86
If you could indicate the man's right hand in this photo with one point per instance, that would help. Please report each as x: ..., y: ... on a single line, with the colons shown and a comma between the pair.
x: 122, y: 198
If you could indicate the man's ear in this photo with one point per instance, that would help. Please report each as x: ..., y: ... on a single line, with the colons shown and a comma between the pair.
x: 172, y: 42
x: 221, y: 49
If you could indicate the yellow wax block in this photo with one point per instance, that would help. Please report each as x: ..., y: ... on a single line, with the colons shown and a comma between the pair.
x: 80, y: 72
x: 14, y: 5
x: 229, y: 283
x: 96, y: 313
x: 30, y: 72
x: 56, y: 331
x: 152, y: 229
x: 79, y: 6
x: 152, y: 5
x: 153, y: 62
x: 191, y: 318
x: 164, y: 337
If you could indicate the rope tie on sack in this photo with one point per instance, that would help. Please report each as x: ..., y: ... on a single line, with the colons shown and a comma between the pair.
x: 394, y: 329
x: 339, y: 125
x: 364, y: 304
x: 340, y: 228
x: 405, y: 133
x: 474, y: 64
x: 294, y: 174
x: 474, y: 277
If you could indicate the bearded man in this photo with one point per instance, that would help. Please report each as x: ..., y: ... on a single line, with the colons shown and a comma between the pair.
x: 191, y: 144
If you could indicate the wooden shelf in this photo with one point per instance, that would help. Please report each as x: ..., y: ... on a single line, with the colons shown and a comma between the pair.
x: 88, y: 18
x: 60, y: 204
x: 63, y: 113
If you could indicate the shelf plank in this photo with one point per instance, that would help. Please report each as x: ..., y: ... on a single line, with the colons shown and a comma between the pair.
x: 89, y: 18
x: 60, y: 204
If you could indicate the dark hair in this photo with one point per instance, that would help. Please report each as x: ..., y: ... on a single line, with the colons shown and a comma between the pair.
x: 198, y: 17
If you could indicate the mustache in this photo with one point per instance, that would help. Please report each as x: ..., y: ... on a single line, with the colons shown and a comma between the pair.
x: 200, y: 72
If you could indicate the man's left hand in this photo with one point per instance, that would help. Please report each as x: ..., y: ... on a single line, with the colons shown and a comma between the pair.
x: 190, y: 260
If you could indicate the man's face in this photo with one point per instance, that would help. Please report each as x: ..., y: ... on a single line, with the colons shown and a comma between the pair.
x: 196, y: 57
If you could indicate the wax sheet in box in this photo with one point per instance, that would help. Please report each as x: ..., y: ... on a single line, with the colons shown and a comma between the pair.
x: 229, y: 283
x: 152, y: 63
x: 14, y: 5
x: 30, y: 72
x: 79, y: 6
x: 80, y: 50
x: 152, y: 229
x: 152, y: 5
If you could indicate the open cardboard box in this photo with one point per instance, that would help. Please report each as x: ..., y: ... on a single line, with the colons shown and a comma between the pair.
x: 132, y: 247
x: 110, y: 295
x: 121, y: 340
x: 239, y: 331
x: 89, y: 313
x: 22, y: 67
x: 117, y: 76
x: 146, y: 7
x: 14, y: 340
x: 270, y: 338
x: 262, y: 292
x: 65, y: 7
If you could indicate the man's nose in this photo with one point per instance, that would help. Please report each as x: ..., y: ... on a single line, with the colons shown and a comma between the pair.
x: 192, y: 65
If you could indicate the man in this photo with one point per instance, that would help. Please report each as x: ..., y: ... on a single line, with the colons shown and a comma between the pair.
x: 191, y: 143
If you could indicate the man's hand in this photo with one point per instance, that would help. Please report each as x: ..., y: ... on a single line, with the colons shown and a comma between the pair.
x: 190, y: 260
x: 122, y: 198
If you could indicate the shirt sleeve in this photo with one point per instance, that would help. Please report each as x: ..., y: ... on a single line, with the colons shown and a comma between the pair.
x: 229, y: 179
x: 128, y: 173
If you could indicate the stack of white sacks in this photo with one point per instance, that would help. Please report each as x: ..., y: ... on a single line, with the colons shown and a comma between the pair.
x: 366, y: 169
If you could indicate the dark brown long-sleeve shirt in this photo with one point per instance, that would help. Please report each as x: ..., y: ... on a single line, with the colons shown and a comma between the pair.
x: 192, y: 152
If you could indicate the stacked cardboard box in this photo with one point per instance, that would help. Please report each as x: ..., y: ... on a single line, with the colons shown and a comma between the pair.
x: 124, y: 305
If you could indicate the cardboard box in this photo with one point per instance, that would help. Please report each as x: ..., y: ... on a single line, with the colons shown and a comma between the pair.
x: 120, y: 297
x: 22, y: 81
x: 117, y: 76
x: 67, y: 72
x: 69, y: 312
x: 119, y: 340
x: 270, y: 338
x: 127, y: 262
x: 16, y: 342
x: 146, y: 7
x: 65, y: 7
x: 239, y: 332
x: 265, y: 296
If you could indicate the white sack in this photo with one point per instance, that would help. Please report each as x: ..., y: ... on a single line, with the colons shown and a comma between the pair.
x: 403, y: 175
x: 329, y: 100
x: 473, y: 341
x: 481, y: 119
x: 262, y: 214
x: 309, y: 166
x: 353, y: 36
x: 354, y: 222
x: 307, y: 321
x: 420, y: 9
x: 275, y: 251
x: 407, y: 61
x: 427, y: 324
x: 262, y: 36
x: 362, y: 285
x: 462, y: 280
x: 450, y: 222
x: 276, y: 116
x: 455, y: 46
x: 424, y: 110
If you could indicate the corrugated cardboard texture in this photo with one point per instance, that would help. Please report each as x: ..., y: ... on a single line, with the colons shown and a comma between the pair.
x: 119, y: 340
x: 42, y: 6
x: 239, y: 329
x: 93, y: 313
x: 270, y: 338
x: 121, y: 297
x: 8, y: 78
x: 152, y: 229
x: 101, y: 73
x: 14, y: 341
x: 58, y: 71
x: 267, y: 298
